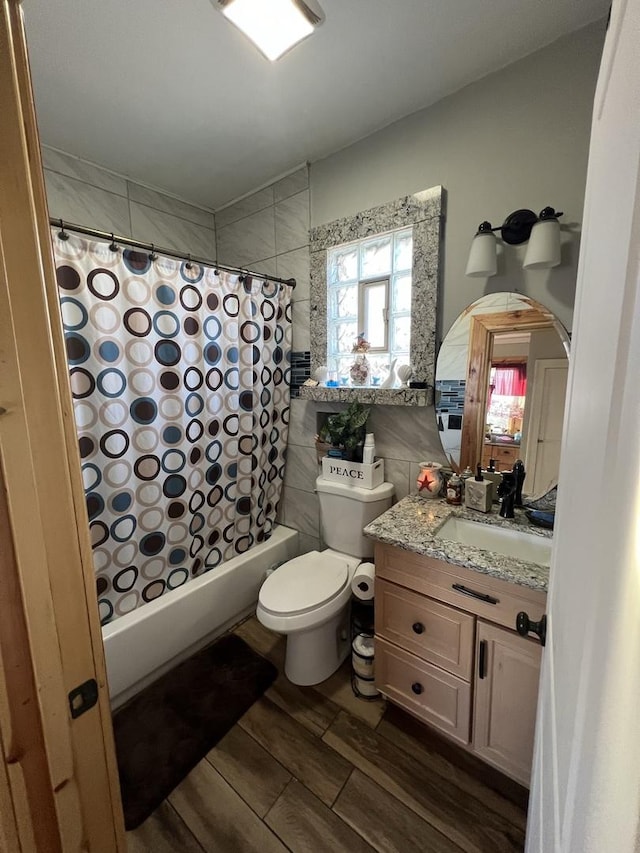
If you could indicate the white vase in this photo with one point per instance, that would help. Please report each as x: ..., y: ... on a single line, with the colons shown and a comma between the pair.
x: 391, y: 378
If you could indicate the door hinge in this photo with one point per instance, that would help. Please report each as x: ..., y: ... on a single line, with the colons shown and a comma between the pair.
x: 83, y: 697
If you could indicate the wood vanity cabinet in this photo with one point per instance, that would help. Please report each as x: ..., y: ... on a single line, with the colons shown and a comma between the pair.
x: 447, y: 652
x: 505, y: 456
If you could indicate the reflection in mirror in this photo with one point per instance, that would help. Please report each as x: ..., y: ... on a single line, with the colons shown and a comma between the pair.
x: 501, y: 380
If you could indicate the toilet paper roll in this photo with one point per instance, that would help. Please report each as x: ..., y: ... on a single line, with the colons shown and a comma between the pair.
x: 363, y: 581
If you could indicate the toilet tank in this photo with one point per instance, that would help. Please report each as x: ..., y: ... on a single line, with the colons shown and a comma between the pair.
x: 345, y: 510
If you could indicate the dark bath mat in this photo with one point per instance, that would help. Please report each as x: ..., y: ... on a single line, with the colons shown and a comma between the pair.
x: 163, y: 732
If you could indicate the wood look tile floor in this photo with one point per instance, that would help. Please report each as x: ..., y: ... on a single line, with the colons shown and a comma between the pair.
x: 317, y: 770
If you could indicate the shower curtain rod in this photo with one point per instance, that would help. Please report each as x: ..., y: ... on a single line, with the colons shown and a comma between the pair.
x: 152, y: 249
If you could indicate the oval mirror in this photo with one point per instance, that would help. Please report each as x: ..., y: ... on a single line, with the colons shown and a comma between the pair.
x: 501, y: 379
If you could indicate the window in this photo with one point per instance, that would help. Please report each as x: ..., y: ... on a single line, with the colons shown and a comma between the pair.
x: 369, y: 292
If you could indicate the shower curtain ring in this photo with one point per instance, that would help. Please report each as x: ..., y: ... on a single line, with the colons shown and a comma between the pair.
x: 62, y: 234
x: 188, y: 264
x: 152, y: 254
x: 113, y: 245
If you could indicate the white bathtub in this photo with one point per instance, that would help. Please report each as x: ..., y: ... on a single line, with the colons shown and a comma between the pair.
x: 141, y: 645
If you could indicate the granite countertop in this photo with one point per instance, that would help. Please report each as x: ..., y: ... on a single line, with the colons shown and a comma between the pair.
x: 501, y: 442
x: 413, y: 522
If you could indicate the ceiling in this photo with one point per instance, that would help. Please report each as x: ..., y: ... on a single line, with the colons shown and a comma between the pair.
x: 169, y: 93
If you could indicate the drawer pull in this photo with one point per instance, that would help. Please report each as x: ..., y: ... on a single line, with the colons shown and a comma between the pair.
x: 417, y: 688
x: 418, y: 628
x: 481, y: 596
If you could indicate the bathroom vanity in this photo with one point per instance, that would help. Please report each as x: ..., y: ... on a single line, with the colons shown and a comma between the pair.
x: 447, y: 649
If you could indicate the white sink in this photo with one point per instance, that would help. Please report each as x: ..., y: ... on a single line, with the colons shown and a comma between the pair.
x: 511, y: 543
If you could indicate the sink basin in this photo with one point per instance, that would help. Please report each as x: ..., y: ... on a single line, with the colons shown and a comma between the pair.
x: 510, y: 543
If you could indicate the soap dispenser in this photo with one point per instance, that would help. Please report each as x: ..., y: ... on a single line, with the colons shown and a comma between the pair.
x: 479, y: 492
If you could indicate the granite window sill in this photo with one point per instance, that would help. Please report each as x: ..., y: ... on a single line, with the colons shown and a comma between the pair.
x: 370, y: 395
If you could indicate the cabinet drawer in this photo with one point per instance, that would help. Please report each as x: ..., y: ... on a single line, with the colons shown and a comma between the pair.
x: 430, y: 693
x: 442, y: 581
x: 435, y: 632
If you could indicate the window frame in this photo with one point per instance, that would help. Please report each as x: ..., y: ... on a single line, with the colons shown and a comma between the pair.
x: 425, y: 211
x: 363, y: 285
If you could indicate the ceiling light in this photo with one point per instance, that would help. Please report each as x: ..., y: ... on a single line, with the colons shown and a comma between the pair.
x: 274, y: 26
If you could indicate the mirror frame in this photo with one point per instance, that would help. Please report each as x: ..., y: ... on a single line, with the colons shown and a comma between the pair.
x: 424, y: 211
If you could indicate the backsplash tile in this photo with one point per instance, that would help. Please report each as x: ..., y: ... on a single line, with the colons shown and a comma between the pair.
x: 450, y: 395
x: 300, y: 369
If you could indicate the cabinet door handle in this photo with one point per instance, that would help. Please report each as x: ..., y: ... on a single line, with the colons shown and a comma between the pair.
x: 481, y: 596
x: 482, y: 659
x: 418, y: 628
x: 417, y: 688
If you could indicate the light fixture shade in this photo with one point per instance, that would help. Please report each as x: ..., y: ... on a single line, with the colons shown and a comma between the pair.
x: 482, y: 257
x: 543, y: 250
x: 274, y: 26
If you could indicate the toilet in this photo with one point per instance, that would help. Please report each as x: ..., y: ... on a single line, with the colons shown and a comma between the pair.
x: 308, y: 598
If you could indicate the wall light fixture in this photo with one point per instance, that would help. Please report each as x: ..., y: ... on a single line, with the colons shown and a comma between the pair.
x: 543, y: 233
x: 274, y: 26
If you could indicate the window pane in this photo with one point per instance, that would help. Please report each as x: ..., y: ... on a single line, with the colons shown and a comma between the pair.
x: 375, y: 299
x: 343, y: 336
x: 403, y: 251
x: 376, y: 257
x: 401, y: 334
x: 401, y: 294
x: 344, y: 301
x: 343, y: 264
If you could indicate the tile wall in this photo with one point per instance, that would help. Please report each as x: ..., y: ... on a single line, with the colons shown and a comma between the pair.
x: 269, y: 231
x: 88, y: 195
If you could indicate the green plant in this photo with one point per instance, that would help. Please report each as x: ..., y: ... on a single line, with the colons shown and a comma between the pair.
x: 346, y: 429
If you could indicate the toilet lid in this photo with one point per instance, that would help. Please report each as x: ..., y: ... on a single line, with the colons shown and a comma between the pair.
x: 304, y: 583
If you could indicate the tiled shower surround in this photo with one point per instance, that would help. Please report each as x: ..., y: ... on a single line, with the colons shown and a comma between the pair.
x: 88, y: 195
x: 268, y: 231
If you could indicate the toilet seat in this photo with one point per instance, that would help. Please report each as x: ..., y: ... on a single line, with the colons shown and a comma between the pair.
x: 304, y: 584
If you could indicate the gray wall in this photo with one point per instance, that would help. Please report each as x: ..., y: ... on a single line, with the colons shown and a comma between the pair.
x: 517, y: 138
x: 88, y: 195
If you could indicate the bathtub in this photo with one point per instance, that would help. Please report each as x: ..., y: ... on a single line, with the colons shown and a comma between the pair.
x: 142, y: 645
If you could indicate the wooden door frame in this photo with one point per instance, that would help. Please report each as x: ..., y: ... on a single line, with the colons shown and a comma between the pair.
x: 482, y: 328
x: 59, y: 786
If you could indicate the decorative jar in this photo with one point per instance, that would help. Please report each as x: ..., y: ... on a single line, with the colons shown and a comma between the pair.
x: 359, y: 370
x: 430, y: 480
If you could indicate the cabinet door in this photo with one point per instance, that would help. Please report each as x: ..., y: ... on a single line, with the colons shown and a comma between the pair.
x: 506, y: 695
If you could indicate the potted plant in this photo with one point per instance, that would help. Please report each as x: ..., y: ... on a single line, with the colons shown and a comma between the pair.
x: 346, y: 431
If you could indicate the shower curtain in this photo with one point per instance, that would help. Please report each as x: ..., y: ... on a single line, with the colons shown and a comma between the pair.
x: 180, y: 383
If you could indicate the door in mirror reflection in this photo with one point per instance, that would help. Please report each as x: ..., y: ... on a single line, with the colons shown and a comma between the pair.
x: 500, y: 387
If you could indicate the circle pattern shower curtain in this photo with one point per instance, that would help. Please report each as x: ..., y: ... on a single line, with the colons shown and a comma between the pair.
x: 180, y: 383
